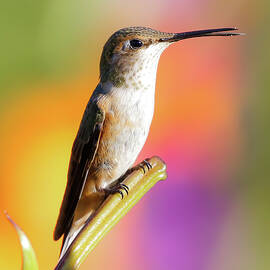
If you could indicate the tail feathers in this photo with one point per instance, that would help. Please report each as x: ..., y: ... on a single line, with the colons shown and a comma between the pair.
x: 73, y: 231
x: 85, y: 210
x: 67, y: 241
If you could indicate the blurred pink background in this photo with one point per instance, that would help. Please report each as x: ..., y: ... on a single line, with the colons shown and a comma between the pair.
x: 212, y: 211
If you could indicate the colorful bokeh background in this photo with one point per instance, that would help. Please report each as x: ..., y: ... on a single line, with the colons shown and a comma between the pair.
x: 211, y: 126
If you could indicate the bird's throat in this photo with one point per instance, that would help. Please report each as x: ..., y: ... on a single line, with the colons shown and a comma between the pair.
x: 136, y: 72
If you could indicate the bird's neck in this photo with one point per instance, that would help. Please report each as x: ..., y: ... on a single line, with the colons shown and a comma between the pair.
x: 136, y: 73
x: 139, y: 77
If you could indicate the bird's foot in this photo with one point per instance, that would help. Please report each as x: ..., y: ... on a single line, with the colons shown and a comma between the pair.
x: 118, y: 189
x: 144, y: 164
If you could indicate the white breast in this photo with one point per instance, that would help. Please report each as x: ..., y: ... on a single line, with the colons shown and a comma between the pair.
x: 135, y: 111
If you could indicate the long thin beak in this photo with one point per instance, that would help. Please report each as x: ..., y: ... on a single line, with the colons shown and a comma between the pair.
x: 201, y: 33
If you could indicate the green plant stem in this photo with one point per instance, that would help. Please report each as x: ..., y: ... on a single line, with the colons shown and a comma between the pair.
x: 112, y: 210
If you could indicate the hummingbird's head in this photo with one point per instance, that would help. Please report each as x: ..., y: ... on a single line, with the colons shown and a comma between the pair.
x: 131, y: 54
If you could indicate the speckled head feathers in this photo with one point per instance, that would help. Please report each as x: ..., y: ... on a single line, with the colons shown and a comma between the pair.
x: 127, y: 45
x: 141, y: 32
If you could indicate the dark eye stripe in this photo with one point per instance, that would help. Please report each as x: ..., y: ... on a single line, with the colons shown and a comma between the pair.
x: 135, y: 43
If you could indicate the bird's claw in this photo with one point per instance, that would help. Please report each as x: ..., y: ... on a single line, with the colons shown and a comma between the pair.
x: 118, y: 189
x: 124, y: 187
x: 121, y: 193
x: 147, y: 164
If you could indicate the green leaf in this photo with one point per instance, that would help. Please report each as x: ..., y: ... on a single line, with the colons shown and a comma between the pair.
x: 28, y: 254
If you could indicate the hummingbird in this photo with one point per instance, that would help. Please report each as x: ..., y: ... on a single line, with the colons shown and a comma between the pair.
x: 115, y: 123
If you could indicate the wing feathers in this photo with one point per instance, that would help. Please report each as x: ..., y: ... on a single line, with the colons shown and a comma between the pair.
x: 82, y: 155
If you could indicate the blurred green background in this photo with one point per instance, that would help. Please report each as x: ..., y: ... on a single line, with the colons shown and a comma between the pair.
x: 211, y: 126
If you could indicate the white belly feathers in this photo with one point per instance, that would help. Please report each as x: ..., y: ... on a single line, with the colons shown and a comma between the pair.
x: 135, y: 110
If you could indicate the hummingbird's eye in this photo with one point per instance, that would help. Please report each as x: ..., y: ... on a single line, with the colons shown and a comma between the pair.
x: 135, y: 43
